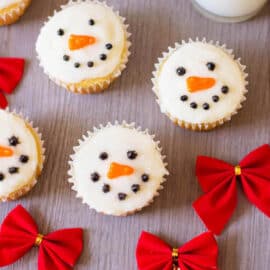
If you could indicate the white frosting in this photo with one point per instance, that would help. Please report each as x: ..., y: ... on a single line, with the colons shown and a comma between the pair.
x: 117, y: 141
x: 12, y: 125
x: 193, y: 57
x: 231, y: 8
x: 74, y: 19
x: 7, y: 3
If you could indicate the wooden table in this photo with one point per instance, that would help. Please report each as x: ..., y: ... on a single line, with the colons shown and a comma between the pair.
x: 63, y: 117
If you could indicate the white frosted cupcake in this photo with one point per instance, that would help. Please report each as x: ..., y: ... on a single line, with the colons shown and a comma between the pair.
x: 199, y: 85
x: 12, y: 10
x: 21, y: 156
x: 84, y: 47
x: 117, y: 169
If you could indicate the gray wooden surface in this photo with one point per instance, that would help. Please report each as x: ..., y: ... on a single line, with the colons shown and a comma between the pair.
x: 63, y: 117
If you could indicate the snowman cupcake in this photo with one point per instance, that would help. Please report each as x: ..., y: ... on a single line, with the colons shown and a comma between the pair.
x: 21, y: 156
x: 84, y: 47
x: 199, y: 85
x: 117, y: 169
x: 12, y: 10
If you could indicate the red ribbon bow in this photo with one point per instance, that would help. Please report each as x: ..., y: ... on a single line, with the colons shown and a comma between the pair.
x: 154, y: 254
x: 11, y: 71
x: 218, y: 180
x: 57, y: 251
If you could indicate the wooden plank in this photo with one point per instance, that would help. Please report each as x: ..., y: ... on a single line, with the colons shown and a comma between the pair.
x: 63, y: 118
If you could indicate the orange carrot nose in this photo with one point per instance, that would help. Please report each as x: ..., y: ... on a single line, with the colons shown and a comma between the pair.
x: 77, y: 42
x: 5, y: 152
x: 196, y: 84
x: 117, y: 170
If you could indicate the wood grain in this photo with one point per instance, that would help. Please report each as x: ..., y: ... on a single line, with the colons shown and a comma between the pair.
x: 63, y: 118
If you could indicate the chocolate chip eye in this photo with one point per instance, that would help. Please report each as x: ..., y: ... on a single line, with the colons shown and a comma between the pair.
x: 225, y: 89
x: 122, y: 196
x: 184, y: 98
x: 145, y: 177
x: 109, y: 46
x: 181, y: 71
x: 95, y: 177
x: 60, y: 32
x: 211, y: 66
x: 106, y: 188
x: 77, y: 65
x: 103, y: 57
x: 135, y: 188
x: 66, y: 58
x: 13, y: 170
x: 2, y: 176
x: 90, y: 64
x: 103, y: 156
x: 91, y: 22
x: 24, y: 159
x: 132, y: 154
x: 13, y: 141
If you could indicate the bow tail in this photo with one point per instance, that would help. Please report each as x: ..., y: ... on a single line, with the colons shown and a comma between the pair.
x: 3, y: 101
x: 13, y: 248
x: 216, y: 207
x: 47, y: 259
x: 152, y: 253
x: 200, y: 253
x: 60, y: 250
x: 257, y: 190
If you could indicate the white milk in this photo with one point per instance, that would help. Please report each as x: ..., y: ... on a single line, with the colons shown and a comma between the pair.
x: 232, y: 8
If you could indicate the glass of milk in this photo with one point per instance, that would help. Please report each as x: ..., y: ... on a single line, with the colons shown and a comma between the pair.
x: 229, y: 10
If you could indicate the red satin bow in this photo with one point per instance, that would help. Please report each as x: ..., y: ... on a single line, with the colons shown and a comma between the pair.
x: 57, y: 251
x: 218, y: 180
x: 11, y: 71
x: 154, y: 254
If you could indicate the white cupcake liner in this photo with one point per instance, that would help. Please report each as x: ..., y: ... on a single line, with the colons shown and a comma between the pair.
x: 88, y: 136
x: 101, y: 84
x: 15, y: 13
x: 26, y: 188
x: 181, y: 122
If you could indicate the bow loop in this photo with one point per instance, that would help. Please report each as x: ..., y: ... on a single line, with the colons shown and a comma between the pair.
x: 199, y: 253
x: 218, y: 181
x: 11, y: 72
x: 17, y: 236
x: 19, y: 233
x: 58, y: 247
x: 211, y: 172
x: 154, y: 254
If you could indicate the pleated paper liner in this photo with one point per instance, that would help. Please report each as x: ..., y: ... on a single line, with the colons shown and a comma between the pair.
x: 12, y: 13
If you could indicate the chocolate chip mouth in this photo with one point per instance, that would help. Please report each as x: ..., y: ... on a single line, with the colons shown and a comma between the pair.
x: 106, y: 188
x: 205, y: 105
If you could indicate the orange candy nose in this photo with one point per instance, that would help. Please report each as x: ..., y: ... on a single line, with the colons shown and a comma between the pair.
x: 5, y: 152
x: 196, y: 84
x: 77, y: 42
x: 117, y: 170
